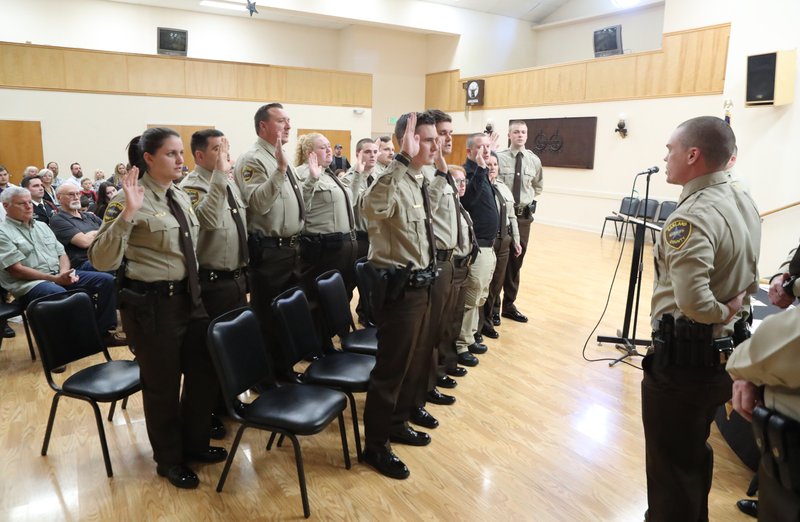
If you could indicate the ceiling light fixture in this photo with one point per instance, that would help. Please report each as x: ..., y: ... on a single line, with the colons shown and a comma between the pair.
x: 625, y: 3
x: 223, y: 5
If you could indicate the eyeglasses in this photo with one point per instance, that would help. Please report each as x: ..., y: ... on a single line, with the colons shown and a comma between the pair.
x: 72, y: 194
x: 460, y: 181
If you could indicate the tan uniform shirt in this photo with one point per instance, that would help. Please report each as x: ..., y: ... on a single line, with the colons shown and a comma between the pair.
x: 707, y: 253
x: 33, y: 245
x: 532, y: 177
x: 508, y: 198
x: 358, y: 183
x: 150, y: 242
x: 464, y: 247
x: 327, y: 205
x: 218, y: 242
x: 772, y: 358
x: 443, y: 209
x: 397, y: 223
x: 273, y: 208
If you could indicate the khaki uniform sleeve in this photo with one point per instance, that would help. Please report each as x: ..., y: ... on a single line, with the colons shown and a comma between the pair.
x: 309, y: 189
x: 259, y: 188
x: 772, y: 355
x: 538, y: 180
x: 211, y: 206
x: 108, y: 248
x: 379, y: 199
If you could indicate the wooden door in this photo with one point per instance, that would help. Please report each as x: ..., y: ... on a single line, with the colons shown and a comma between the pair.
x: 21, y: 146
x: 186, y: 132
x: 342, y: 137
x: 459, y: 154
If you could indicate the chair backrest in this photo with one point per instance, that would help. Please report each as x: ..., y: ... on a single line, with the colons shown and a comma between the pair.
x: 64, y: 328
x: 648, y: 210
x: 298, y: 336
x: 239, y: 354
x: 628, y: 206
x: 335, y: 306
x: 667, y: 208
x: 364, y: 292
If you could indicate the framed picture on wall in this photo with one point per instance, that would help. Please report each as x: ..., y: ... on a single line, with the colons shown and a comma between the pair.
x: 563, y: 142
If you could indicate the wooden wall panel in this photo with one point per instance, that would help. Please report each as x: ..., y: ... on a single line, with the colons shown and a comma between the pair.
x: 53, y: 68
x: 86, y: 71
x: 443, y: 91
x: 186, y: 132
x: 689, y: 63
x: 211, y: 79
x: 22, y: 146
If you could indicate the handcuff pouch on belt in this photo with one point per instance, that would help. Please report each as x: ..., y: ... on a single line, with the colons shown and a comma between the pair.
x: 685, y: 343
x: 778, y: 439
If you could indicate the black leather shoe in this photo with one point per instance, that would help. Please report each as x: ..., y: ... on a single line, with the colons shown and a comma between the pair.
x: 477, y: 348
x: 8, y: 332
x: 478, y: 338
x: 209, y: 455
x: 748, y: 507
x: 421, y: 417
x: 458, y: 371
x: 496, y: 319
x: 218, y: 430
x: 386, y: 463
x: 490, y: 332
x: 467, y: 359
x: 410, y: 436
x: 437, y: 397
x: 516, y: 315
x: 179, y: 476
x: 446, y: 382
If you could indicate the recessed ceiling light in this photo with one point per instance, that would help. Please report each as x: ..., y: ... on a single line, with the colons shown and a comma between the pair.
x: 625, y: 3
x: 223, y: 5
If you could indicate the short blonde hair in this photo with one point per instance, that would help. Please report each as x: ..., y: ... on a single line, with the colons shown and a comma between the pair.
x: 305, y: 144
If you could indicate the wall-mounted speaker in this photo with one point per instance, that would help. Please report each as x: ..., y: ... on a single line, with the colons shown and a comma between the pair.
x: 770, y: 78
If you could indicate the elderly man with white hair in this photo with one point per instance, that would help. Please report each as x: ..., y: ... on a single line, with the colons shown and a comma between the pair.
x: 34, y: 264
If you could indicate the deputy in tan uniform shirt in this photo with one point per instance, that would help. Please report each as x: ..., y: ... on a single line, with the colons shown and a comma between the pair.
x: 771, y: 358
x: 401, y: 237
x: 151, y: 226
x: 385, y: 153
x: 521, y: 171
x: 275, y: 216
x: 705, y: 269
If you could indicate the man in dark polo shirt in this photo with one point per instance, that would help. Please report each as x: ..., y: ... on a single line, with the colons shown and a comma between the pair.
x: 74, y: 229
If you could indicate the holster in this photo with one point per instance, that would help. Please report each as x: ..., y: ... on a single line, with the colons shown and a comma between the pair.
x: 377, y: 282
x: 778, y: 438
x: 254, y: 247
x: 396, y: 282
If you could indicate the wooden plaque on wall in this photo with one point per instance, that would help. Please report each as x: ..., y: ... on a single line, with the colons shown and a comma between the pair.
x: 563, y: 142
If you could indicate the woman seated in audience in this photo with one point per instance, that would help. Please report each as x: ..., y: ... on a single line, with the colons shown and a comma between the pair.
x: 119, y: 173
x: 105, y: 193
x: 46, y: 176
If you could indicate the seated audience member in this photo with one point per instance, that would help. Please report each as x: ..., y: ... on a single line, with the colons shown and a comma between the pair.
x: 53, y: 167
x: 105, y: 193
x: 99, y: 177
x: 87, y: 205
x: 75, y: 228
x: 49, y: 186
x: 87, y: 189
x: 4, y: 176
x: 33, y: 264
x: 77, y: 175
x: 30, y: 170
x: 43, y: 210
x: 116, y: 177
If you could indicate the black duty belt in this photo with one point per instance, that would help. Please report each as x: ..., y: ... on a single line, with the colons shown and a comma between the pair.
x: 486, y: 243
x: 461, y: 262
x: 333, y: 237
x: 778, y: 438
x: 214, y: 275
x: 277, y: 242
x: 163, y: 288
x: 444, y: 255
x: 362, y: 236
x: 682, y: 342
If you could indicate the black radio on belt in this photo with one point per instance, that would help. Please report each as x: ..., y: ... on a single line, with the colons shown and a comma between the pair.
x: 422, y: 278
x: 525, y: 211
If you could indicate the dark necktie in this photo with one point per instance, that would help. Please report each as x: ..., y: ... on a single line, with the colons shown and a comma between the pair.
x: 501, y: 204
x: 336, y: 180
x: 794, y: 264
x: 293, y: 182
x: 187, y: 249
x: 517, y: 189
x: 452, y: 183
x: 244, y: 254
x: 370, y: 179
x: 426, y: 203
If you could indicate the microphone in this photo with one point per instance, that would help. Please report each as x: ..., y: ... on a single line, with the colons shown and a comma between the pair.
x: 651, y: 170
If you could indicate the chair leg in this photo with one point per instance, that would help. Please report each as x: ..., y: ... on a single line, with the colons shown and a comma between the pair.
x: 345, y: 449
x: 49, y: 430
x: 231, y: 454
x: 28, y: 335
x: 604, y: 228
x: 271, y: 440
x: 301, y: 476
x: 356, y: 431
x: 125, y: 402
x: 281, y: 439
x: 98, y: 418
x: 111, y: 411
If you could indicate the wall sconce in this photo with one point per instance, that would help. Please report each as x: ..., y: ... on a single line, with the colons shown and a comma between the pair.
x: 623, y: 131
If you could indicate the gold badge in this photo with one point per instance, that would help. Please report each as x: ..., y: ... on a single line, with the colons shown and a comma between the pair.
x: 194, y: 195
x: 114, y: 209
x: 677, y: 233
x: 247, y: 173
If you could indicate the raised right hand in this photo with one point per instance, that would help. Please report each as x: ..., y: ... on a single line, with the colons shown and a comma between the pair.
x: 283, y: 162
x: 358, y: 163
x: 134, y: 194
x: 410, y: 142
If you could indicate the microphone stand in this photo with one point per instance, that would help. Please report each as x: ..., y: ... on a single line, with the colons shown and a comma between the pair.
x: 623, y: 342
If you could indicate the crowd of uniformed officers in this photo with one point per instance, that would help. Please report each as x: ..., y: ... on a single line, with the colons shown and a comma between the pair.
x: 188, y: 249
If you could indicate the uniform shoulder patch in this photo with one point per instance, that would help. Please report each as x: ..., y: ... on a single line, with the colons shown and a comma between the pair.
x: 194, y: 195
x: 113, y: 211
x: 677, y: 233
x: 247, y: 173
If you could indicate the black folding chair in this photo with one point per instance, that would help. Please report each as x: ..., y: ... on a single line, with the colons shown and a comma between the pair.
x: 238, y: 352
x: 628, y: 208
x: 14, y: 309
x: 666, y: 208
x: 338, y: 320
x: 64, y: 335
x: 347, y: 372
x: 648, y: 210
x: 364, y: 291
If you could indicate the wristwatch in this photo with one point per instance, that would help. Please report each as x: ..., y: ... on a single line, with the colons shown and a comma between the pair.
x: 788, y: 285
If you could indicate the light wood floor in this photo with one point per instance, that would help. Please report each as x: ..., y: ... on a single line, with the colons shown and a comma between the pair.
x: 537, y: 433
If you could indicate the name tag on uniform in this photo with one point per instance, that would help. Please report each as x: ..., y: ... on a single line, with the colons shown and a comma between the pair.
x: 418, y: 176
x: 160, y: 214
x: 418, y: 205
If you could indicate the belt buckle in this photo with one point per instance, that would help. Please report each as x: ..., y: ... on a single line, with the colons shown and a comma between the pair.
x: 292, y: 241
x: 171, y: 289
x: 237, y: 273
